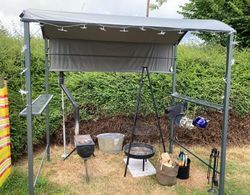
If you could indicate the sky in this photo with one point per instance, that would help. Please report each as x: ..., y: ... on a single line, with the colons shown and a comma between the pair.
x: 10, y: 9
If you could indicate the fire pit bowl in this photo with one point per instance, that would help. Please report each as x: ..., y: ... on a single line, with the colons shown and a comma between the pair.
x: 139, y: 150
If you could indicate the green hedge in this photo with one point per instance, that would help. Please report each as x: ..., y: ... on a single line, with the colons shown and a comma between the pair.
x: 200, y: 74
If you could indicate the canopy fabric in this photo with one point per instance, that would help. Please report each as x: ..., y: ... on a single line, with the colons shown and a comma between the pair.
x: 114, y: 43
x: 67, y: 18
x: 134, y: 35
x: 97, y: 56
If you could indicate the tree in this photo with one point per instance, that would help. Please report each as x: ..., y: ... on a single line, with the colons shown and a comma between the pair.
x: 3, y: 31
x: 157, y: 4
x: 236, y: 13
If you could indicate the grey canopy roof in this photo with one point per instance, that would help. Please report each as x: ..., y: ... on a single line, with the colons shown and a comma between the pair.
x: 55, y: 19
x: 98, y: 42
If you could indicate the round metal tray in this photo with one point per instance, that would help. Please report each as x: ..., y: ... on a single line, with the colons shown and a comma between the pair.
x: 139, y: 150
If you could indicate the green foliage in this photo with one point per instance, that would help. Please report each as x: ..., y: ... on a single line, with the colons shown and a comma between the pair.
x: 233, y: 12
x: 157, y: 4
x: 203, y: 69
x: 200, y: 75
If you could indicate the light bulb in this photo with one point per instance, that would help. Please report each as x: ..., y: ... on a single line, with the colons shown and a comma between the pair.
x: 124, y: 30
x: 62, y: 29
x: 142, y: 28
x: 161, y: 33
x: 180, y: 32
x: 83, y: 27
x: 103, y: 28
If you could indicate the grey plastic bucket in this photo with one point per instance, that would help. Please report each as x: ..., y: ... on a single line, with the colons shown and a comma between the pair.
x: 110, y: 142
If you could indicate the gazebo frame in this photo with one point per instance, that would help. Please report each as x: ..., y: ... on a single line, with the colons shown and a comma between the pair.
x: 35, y: 107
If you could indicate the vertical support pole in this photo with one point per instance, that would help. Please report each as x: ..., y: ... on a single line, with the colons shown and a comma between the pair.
x: 61, y: 81
x: 29, y: 107
x: 46, y: 50
x: 225, y: 112
x: 147, y: 8
x: 171, y: 132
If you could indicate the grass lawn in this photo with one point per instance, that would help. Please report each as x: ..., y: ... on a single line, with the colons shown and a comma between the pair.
x: 106, y: 175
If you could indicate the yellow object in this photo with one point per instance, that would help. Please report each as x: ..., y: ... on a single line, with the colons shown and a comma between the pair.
x: 166, y: 160
x: 5, y: 156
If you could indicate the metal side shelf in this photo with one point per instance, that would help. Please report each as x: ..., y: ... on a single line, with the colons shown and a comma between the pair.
x: 197, y: 101
x: 38, y: 105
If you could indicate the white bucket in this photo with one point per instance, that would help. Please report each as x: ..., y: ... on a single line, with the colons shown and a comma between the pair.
x: 110, y: 142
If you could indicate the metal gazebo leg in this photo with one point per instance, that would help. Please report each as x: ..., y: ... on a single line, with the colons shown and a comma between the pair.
x: 171, y: 130
x: 47, y: 92
x: 155, y: 108
x: 225, y: 113
x: 29, y: 107
x: 135, y: 118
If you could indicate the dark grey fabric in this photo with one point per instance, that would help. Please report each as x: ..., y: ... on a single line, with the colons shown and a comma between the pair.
x: 101, y: 56
x: 134, y: 35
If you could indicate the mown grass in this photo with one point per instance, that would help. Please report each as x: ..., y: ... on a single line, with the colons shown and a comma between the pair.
x: 106, y: 181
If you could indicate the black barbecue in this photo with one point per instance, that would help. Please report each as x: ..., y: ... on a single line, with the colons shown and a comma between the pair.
x: 85, y: 147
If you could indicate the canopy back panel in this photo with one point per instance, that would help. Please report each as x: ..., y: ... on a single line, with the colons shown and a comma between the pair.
x: 102, y: 56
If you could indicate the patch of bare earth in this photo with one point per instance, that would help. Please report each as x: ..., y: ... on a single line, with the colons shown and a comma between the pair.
x: 146, y: 130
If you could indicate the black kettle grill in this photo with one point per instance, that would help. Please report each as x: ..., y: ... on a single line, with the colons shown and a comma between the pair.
x: 85, y: 147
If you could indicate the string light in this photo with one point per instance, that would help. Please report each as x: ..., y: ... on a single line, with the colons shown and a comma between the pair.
x: 62, y: 29
x: 142, y: 28
x: 180, y: 32
x: 23, y: 49
x: 124, y: 30
x: 161, y: 33
x: 103, y: 28
x: 83, y: 27
x: 171, y: 69
x: 23, y: 92
x: 233, y: 62
x: 23, y: 71
x: 235, y: 43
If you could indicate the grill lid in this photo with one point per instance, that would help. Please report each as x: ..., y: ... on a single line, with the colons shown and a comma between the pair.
x: 83, y: 140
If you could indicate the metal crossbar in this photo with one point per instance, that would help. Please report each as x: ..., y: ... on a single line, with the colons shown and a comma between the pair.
x: 197, y: 101
x: 40, y: 166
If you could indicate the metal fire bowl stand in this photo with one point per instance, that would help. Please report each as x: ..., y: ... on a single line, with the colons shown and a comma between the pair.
x: 142, y: 151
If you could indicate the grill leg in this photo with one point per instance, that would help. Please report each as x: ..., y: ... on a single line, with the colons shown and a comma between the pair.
x: 86, y: 170
x: 143, y: 164
x: 69, y: 154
